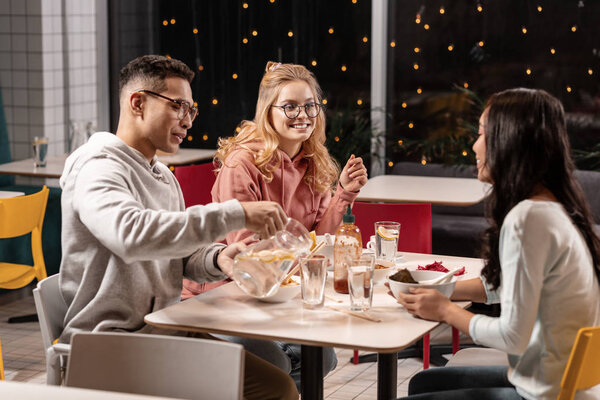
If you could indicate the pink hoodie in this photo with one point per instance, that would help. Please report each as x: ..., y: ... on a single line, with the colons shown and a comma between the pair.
x: 240, y: 179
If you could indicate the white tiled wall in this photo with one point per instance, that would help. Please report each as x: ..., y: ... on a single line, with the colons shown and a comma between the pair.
x: 48, y: 70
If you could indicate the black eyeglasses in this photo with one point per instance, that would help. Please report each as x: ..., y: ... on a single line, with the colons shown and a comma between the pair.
x: 184, y: 107
x: 293, y: 110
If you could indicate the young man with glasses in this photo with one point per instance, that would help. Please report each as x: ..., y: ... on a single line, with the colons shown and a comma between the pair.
x: 127, y: 239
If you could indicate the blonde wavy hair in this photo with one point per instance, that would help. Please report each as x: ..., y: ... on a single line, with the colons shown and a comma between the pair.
x: 323, y: 170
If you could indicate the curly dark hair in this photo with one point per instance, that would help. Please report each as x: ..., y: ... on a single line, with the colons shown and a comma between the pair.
x: 526, y: 145
x: 153, y: 70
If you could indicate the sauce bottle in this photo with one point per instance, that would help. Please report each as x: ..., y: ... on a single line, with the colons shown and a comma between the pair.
x: 348, y: 244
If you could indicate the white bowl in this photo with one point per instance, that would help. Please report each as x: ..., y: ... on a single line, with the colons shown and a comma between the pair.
x: 383, y: 268
x: 400, y: 287
x: 284, y: 293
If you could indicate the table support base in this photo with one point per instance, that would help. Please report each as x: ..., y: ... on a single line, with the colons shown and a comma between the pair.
x: 311, y: 378
x: 387, y: 376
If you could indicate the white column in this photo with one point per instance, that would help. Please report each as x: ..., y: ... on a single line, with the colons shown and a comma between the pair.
x: 379, y: 21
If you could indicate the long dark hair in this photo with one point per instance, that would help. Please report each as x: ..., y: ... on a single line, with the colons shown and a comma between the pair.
x: 527, y: 145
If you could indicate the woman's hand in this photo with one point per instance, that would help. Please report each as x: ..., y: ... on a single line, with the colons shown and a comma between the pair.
x: 354, y: 175
x: 225, y: 257
x: 425, y: 303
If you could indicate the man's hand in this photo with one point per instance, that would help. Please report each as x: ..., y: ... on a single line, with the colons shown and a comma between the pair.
x: 354, y: 175
x: 264, y: 217
x: 225, y: 258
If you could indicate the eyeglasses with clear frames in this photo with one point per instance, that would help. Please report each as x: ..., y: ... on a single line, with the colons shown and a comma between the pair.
x: 293, y: 110
x: 184, y: 107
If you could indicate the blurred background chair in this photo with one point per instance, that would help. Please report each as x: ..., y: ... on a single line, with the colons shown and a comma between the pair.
x: 51, y: 310
x: 168, y: 366
x: 20, y: 216
x: 196, y: 182
x: 1, y: 364
x: 583, y: 367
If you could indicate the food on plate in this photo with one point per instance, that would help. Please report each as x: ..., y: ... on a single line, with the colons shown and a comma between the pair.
x: 437, y: 266
x: 403, y: 275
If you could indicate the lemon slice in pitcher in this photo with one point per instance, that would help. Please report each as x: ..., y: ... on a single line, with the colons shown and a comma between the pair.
x: 387, y: 234
x: 313, y: 237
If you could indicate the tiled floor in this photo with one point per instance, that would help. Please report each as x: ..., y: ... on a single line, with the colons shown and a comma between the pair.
x: 23, y: 356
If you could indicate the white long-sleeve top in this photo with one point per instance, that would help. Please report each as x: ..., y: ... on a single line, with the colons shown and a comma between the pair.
x: 548, y: 291
x: 127, y: 239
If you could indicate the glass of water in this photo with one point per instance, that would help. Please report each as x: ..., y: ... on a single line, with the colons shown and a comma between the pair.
x: 360, y: 282
x: 40, y: 150
x: 386, y: 239
x: 313, y: 272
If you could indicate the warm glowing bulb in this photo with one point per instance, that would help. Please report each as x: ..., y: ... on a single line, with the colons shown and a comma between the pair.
x: 481, y: 43
x: 173, y: 21
x: 168, y: 56
x: 190, y: 138
x: 423, y: 161
x: 234, y: 76
x: 400, y: 142
x: 569, y: 89
x: 416, y: 66
x: 195, y: 31
x: 337, y: 138
x: 195, y: 104
x: 417, y: 20
x: 245, y: 5
x: 344, y: 68
x: 238, y: 129
x: 324, y: 101
x: 172, y: 168
x: 553, y: 51
x: 426, y: 26
x: 313, y: 63
x: 365, y: 39
x: 524, y: 30
x: 574, y: 28
x: 404, y: 105
x: 590, y: 71
x: 200, y: 67
x: 354, y: 1
x: 215, y: 101
x: 442, y: 10
x: 419, y: 91
x: 411, y: 125
x: 165, y: 22
x: 479, y: 8
x: 392, y: 44
x: 464, y: 153
x: 290, y: 33
x: 528, y: 71
x: 450, y: 47
x: 417, y: 50
x: 539, y: 8
x: 271, y: 1
x: 330, y: 31
x: 466, y: 85
x: 245, y: 40
x: 254, y: 33
x: 359, y: 102
x: 205, y: 137
x: 390, y: 164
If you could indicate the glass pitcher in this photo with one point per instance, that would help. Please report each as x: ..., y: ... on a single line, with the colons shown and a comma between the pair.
x: 259, y: 270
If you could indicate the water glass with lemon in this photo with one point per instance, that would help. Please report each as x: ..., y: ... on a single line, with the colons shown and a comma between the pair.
x: 386, y: 239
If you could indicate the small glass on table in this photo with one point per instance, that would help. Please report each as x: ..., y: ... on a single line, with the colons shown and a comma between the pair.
x: 386, y: 239
x: 360, y: 282
x: 40, y: 150
x: 313, y: 271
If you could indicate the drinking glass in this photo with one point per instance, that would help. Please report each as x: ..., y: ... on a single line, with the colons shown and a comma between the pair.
x: 360, y: 282
x: 313, y: 276
x: 40, y: 150
x: 386, y: 239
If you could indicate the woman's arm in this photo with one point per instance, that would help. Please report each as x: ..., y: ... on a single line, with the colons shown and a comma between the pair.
x: 469, y: 290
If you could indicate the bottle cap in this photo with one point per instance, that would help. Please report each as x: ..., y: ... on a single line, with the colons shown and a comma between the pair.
x: 348, y: 218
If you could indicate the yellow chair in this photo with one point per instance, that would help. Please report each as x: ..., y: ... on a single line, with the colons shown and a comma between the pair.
x: 20, y: 216
x: 1, y: 365
x: 583, y: 367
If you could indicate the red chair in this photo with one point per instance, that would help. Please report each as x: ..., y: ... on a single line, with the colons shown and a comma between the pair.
x: 415, y: 237
x: 415, y: 223
x: 196, y: 182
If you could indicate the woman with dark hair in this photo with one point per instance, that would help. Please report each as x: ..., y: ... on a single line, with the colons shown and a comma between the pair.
x: 542, y: 258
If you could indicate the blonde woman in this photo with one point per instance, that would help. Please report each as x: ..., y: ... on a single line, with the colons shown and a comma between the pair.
x: 281, y: 156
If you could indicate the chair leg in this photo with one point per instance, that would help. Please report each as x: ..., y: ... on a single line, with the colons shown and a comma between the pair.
x: 1, y: 365
x: 53, y: 368
x: 455, y: 340
x: 355, y: 357
x: 426, y: 351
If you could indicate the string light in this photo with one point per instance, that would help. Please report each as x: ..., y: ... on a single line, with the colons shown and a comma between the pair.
x: 466, y: 85
x: 354, y: 1
x: 392, y: 43
x: 195, y: 104
x: 238, y: 129
x: 254, y: 33
x: 173, y: 21
x: 450, y: 47
x: 442, y: 10
x: 344, y: 68
x: 423, y: 161
x: 416, y: 66
x: 324, y: 101
x: 165, y: 22
x: 172, y: 168
x: 481, y: 43
x: 390, y: 164
x: 337, y: 138
x: 590, y: 71
x: 205, y: 137
x: 234, y: 76
x: 245, y: 40
x: 418, y: 19
x: 271, y: 1
x: 290, y: 33
x: 479, y: 7
x: 411, y: 125
x: 417, y: 50
x: 569, y: 89
x: 215, y: 101
x: 524, y: 30
x: 359, y: 102
x: 528, y: 71
x: 552, y: 50
x: 574, y: 28
x: 464, y: 153
x: 419, y: 91
x: 313, y: 63
x: 200, y: 67
x: 195, y: 31
x: 245, y: 5
x: 426, y: 26
x: 539, y: 8
x: 190, y: 138
x: 404, y: 105
x: 365, y: 39
x: 330, y: 31
x: 400, y: 142
x: 168, y: 56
